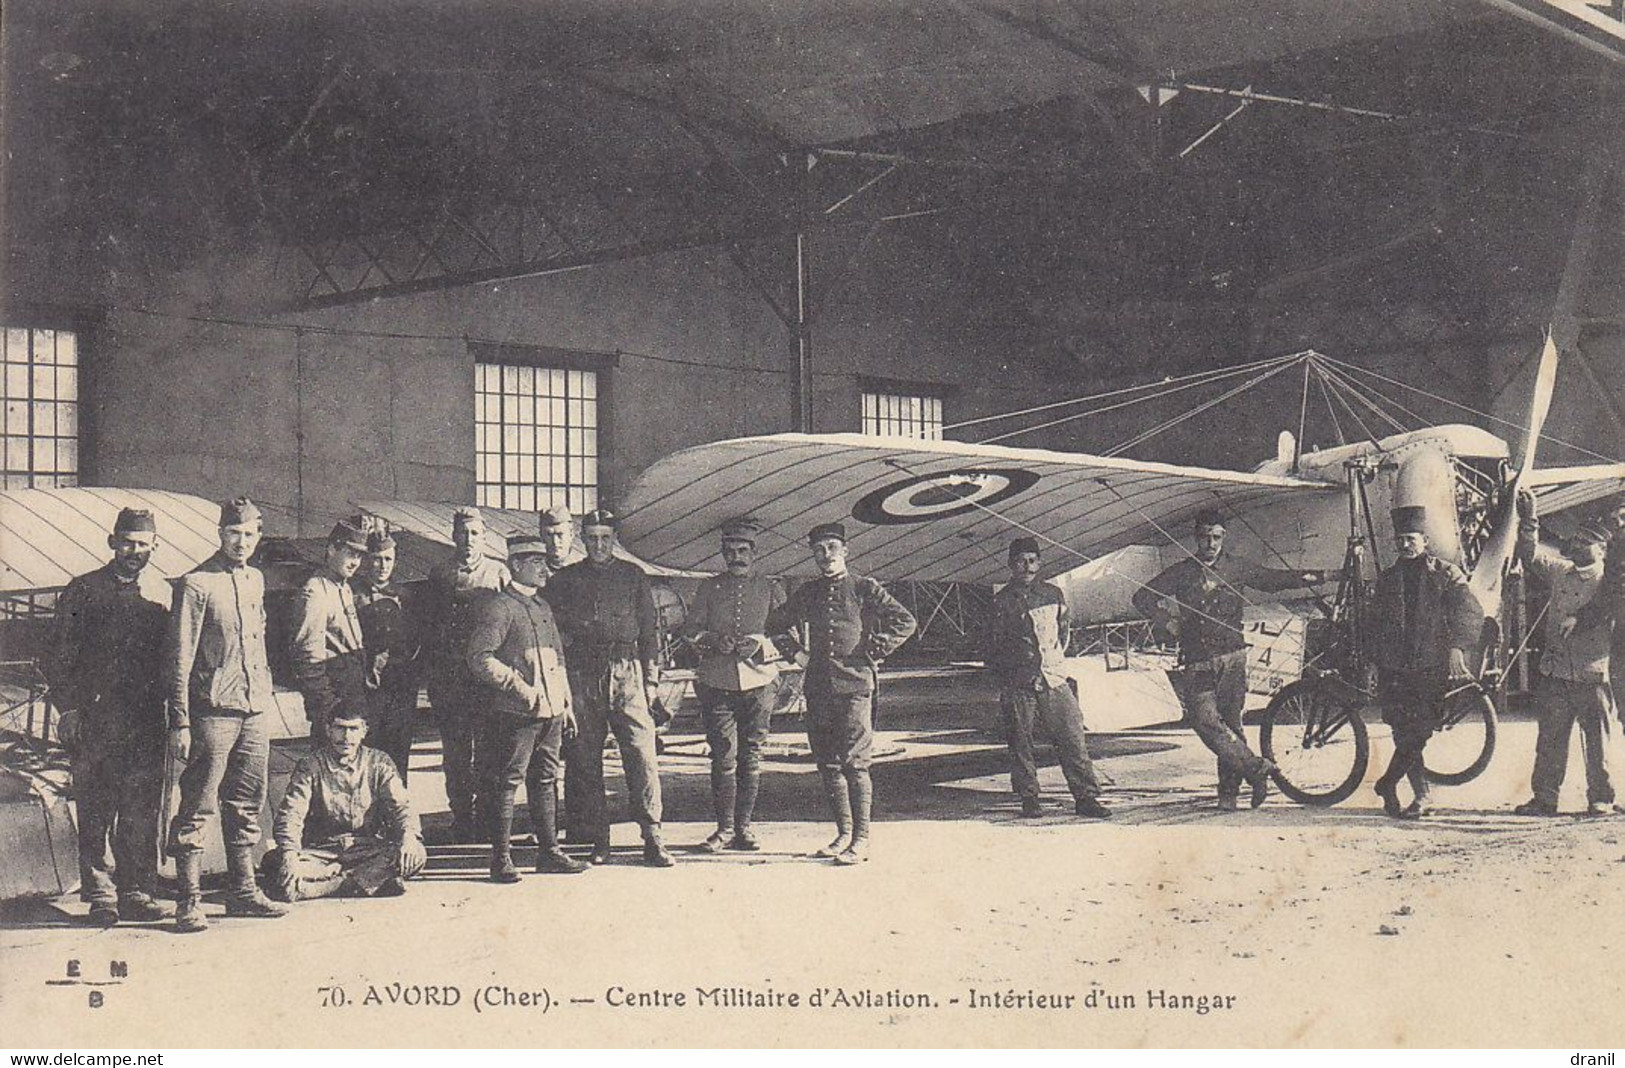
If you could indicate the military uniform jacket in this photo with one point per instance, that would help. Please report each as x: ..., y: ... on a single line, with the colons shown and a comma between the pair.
x: 852, y: 624
x: 107, y: 648
x: 1583, y: 655
x: 217, y: 642
x: 1026, y: 637
x: 728, y: 606
x: 1416, y: 628
x: 607, y: 612
x: 513, y: 637
x: 1209, y: 607
x: 328, y: 800
x: 446, y: 610
x: 389, y: 637
x: 326, y: 647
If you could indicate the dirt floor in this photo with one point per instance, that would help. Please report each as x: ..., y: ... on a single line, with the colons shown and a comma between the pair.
x: 1173, y: 924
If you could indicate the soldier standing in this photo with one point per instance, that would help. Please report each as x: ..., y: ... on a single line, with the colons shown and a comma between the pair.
x: 516, y: 657
x: 852, y: 624
x: 1574, y: 662
x: 607, y: 612
x: 445, y: 610
x: 389, y: 632
x: 1427, y: 617
x: 735, y: 688
x: 219, y: 694
x: 106, y: 675
x: 326, y: 651
x: 1027, y: 652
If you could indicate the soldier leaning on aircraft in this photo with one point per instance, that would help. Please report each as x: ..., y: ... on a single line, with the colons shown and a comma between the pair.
x: 1199, y: 601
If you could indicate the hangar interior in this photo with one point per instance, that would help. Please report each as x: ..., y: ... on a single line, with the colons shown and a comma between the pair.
x: 285, y: 242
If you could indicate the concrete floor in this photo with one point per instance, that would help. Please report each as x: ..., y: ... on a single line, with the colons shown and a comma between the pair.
x: 970, y: 926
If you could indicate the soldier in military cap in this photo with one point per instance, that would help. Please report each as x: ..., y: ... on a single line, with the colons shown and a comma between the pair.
x: 219, y: 693
x: 1426, y: 618
x: 852, y: 624
x: 516, y: 658
x: 106, y: 669
x: 1027, y: 652
x: 607, y: 612
x: 557, y: 530
x: 444, y: 616
x: 735, y: 684
x: 1572, y: 683
x: 326, y: 648
x: 389, y: 633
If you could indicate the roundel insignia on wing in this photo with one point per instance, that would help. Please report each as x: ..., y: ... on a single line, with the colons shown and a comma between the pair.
x: 942, y: 495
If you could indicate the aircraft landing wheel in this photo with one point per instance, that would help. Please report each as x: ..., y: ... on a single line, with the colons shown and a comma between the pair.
x: 1313, y: 734
x: 1461, y: 748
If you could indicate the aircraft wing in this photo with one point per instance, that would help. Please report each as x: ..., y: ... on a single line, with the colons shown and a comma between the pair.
x: 935, y: 510
x: 47, y: 536
x: 1561, y: 488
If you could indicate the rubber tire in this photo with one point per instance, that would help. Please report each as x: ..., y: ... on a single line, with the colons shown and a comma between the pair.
x: 1322, y: 690
x: 1486, y: 712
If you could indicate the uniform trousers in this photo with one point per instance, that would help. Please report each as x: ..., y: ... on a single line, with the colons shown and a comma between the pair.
x: 610, y: 696
x: 1053, y: 710
x: 1213, y: 693
x: 357, y: 864
x: 225, y: 775
x: 1560, y: 704
x: 118, y: 784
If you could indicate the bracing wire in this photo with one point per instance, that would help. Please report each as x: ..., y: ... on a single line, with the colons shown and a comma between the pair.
x: 1198, y: 410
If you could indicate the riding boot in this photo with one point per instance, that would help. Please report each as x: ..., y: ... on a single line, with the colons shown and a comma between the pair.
x: 840, y: 803
x: 861, y: 789
x: 501, y: 825
x: 724, y: 794
x: 244, y: 898
x: 750, y: 780
x: 189, y: 917
x: 544, y: 820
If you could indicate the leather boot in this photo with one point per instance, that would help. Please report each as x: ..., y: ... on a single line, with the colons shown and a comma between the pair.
x: 840, y: 803
x: 245, y: 898
x: 1259, y: 780
x: 544, y: 819
x: 655, y: 854
x: 501, y: 824
x: 189, y: 917
x: 744, y: 808
x: 861, y: 788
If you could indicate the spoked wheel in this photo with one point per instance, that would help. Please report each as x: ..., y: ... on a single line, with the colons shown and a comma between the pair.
x: 1462, y: 746
x: 1313, y: 734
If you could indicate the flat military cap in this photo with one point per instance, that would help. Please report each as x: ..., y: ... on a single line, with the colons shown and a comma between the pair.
x: 465, y: 515
x: 349, y: 533
x: 134, y: 521
x: 239, y: 510
x: 743, y: 529
x: 1208, y: 517
x: 1410, y: 519
x: 556, y: 516
x: 600, y: 517
x: 826, y: 530
x: 526, y: 545
x: 1023, y: 545
x: 1593, y: 530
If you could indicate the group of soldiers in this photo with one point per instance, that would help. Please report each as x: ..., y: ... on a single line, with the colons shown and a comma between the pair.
x: 530, y: 665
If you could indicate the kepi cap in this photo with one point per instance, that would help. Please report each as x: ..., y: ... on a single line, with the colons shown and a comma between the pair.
x: 465, y: 515
x: 1593, y: 530
x: 134, y: 521
x: 526, y: 545
x: 826, y: 530
x: 744, y: 529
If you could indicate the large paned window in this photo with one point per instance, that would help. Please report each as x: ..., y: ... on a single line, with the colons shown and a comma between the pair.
x: 536, y: 436
x: 902, y: 415
x: 41, y: 408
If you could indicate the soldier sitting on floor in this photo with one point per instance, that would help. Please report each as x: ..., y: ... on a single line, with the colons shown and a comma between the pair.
x: 345, y: 825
